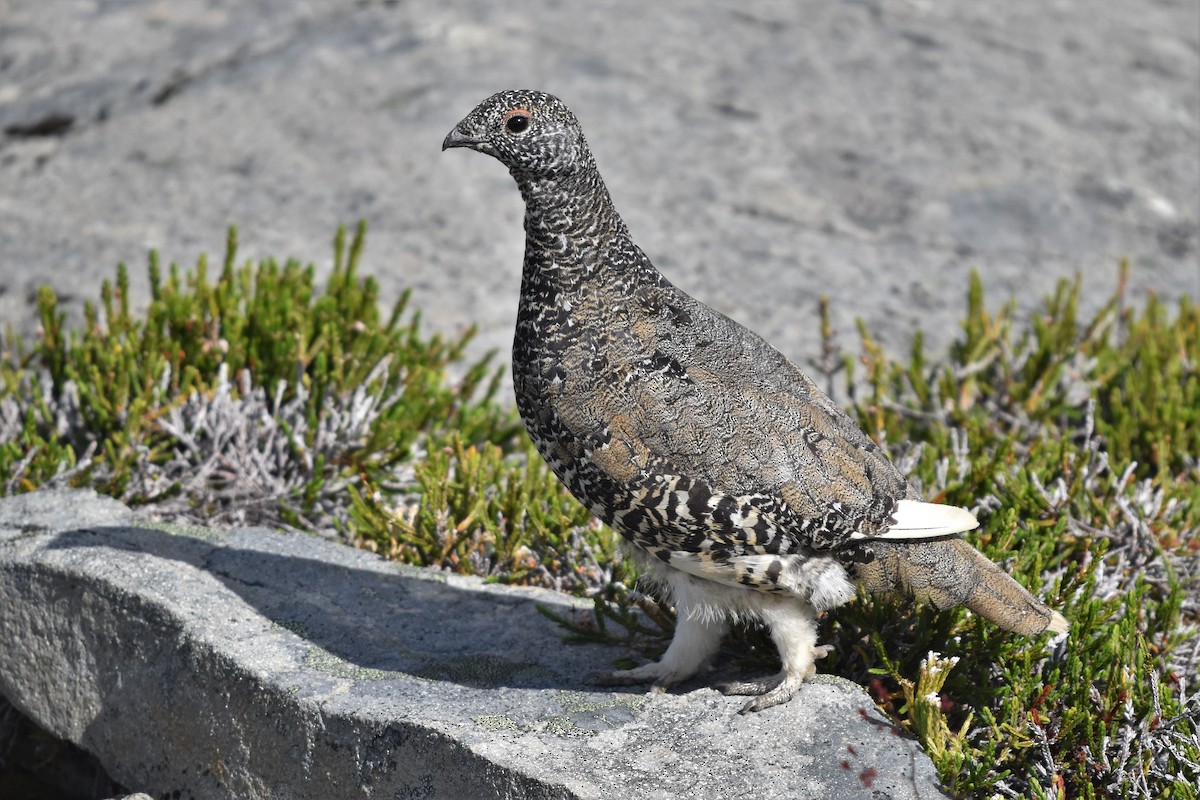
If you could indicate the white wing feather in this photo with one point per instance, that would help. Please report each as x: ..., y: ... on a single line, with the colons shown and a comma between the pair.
x: 917, y: 520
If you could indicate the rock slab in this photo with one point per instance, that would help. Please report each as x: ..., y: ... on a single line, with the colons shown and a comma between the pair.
x: 248, y: 663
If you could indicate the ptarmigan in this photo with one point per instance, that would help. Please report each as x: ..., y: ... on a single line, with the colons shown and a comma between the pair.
x: 741, y: 488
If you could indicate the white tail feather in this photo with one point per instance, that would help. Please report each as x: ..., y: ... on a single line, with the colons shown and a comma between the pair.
x: 917, y: 520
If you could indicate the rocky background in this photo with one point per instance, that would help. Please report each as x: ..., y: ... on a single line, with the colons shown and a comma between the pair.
x: 762, y: 153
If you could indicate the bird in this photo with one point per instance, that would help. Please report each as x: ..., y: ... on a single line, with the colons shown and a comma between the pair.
x: 741, y: 490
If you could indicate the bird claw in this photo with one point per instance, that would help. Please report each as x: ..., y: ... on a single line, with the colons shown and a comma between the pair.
x: 759, y: 687
x: 659, y: 678
x: 774, y: 690
x: 756, y: 687
x: 782, y: 693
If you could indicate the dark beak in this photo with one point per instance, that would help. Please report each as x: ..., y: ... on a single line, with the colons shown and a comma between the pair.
x: 457, y: 138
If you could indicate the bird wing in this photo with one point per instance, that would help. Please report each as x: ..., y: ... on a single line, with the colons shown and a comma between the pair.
x: 915, y: 520
x: 734, y: 450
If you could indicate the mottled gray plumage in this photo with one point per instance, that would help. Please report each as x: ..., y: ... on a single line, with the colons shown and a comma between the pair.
x: 744, y: 490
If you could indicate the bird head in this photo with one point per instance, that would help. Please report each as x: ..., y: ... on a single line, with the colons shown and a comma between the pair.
x: 532, y: 133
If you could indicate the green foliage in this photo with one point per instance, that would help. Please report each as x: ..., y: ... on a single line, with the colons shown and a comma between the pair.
x: 1077, y: 445
x: 474, y: 510
x: 268, y: 327
x: 1140, y: 369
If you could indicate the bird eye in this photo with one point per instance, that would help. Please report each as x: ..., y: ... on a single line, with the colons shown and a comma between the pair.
x: 517, y: 123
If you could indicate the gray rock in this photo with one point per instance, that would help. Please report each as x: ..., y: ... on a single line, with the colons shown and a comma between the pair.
x: 762, y: 154
x: 252, y: 664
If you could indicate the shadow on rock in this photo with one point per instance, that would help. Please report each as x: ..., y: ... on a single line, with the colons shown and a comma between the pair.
x: 368, y: 618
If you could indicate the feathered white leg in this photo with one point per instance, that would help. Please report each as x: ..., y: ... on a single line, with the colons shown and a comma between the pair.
x: 691, y: 651
x: 699, y: 628
x: 793, y: 626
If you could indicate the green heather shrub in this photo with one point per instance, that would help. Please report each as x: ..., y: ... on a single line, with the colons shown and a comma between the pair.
x: 1077, y: 446
x: 254, y: 396
x: 248, y: 397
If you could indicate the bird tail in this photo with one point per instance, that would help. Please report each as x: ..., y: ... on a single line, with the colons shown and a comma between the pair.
x: 950, y: 572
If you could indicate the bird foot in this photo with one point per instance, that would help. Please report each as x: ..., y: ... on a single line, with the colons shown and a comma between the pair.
x: 759, y: 686
x: 653, y: 673
x: 774, y: 690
